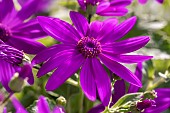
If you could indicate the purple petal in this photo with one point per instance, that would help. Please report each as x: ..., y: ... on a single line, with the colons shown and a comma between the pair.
x: 163, y: 92
x: 138, y: 73
x: 121, y: 71
x: 127, y: 58
x: 126, y: 46
x: 42, y: 105
x: 102, y: 82
x: 87, y: 80
x: 17, y: 105
x: 102, y: 6
x: 54, y: 62
x: 6, y: 7
x: 113, y: 11
x: 123, y: 28
x: 142, y: 1
x: 64, y: 71
x: 30, y: 29
x: 6, y: 73
x: 55, y: 27
x: 26, y: 72
x: 80, y: 22
x: 58, y: 109
x: 51, y: 51
x: 5, y: 110
x: 28, y: 9
x: 120, y: 3
x: 28, y: 46
x: 97, y: 109
x: 106, y: 29
x: 82, y: 4
x: 95, y: 28
x: 119, y: 91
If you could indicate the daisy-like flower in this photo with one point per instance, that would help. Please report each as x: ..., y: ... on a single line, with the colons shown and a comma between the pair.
x: 16, y: 30
x: 145, y: 1
x: 42, y: 106
x: 11, y: 63
x: 89, y: 47
x: 105, y: 7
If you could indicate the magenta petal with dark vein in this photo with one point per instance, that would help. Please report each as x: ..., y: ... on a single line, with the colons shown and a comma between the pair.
x: 126, y: 46
x: 60, y: 76
x: 51, y: 51
x: 127, y: 58
x: 121, y: 71
x: 95, y: 28
x: 28, y: 46
x: 123, y: 28
x: 102, y: 82
x: 42, y: 105
x: 87, y: 80
x: 50, y: 28
x: 54, y: 62
x: 80, y: 22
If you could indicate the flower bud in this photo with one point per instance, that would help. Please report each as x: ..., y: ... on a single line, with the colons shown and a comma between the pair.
x: 61, y: 101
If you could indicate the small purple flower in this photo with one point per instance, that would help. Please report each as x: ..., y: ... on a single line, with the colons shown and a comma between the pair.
x: 10, y: 60
x: 106, y: 7
x: 145, y: 1
x: 89, y: 47
x: 42, y: 106
x: 147, y: 103
x: 162, y: 102
x: 16, y: 31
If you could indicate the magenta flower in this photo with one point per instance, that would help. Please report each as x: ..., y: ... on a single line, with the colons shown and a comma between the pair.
x: 145, y: 1
x: 42, y: 106
x: 106, y: 7
x: 16, y: 31
x: 89, y: 47
x: 10, y: 60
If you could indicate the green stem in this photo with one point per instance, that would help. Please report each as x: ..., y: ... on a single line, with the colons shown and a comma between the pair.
x: 72, y: 82
x: 81, y: 101
x: 153, y: 86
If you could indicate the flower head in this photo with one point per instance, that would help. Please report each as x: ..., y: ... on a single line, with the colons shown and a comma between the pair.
x: 105, y: 7
x: 11, y: 63
x: 89, y: 47
x: 16, y: 30
x: 42, y: 106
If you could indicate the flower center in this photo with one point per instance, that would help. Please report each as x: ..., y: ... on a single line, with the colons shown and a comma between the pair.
x: 89, y: 47
x: 10, y: 54
x: 4, y: 33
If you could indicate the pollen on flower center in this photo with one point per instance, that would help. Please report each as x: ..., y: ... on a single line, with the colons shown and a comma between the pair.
x: 89, y: 47
x: 4, y: 33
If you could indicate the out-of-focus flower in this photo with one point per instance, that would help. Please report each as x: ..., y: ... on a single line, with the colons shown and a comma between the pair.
x: 42, y: 106
x: 11, y: 63
x: 16, y: 30
x: 144, y: 1
x: 105, y: 7
x: 162, y: 102
x: 86, y: 47
x: 42, y: 6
